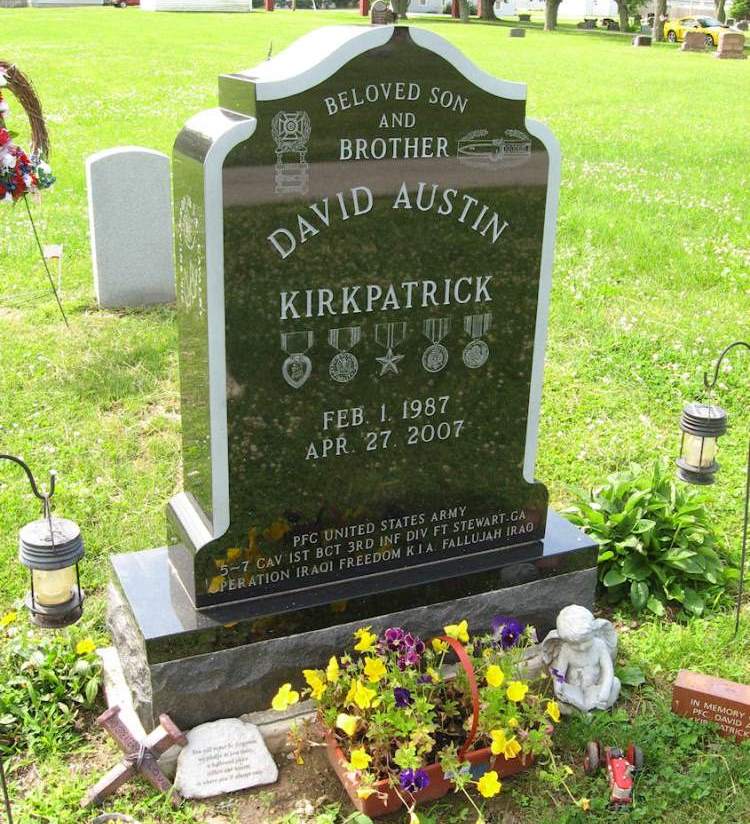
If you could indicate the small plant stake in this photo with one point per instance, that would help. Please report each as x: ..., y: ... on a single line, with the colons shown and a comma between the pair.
x: 140, y: 757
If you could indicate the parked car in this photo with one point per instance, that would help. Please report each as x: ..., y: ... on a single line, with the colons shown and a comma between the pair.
x: 123, y: 4
x: 674, y: 30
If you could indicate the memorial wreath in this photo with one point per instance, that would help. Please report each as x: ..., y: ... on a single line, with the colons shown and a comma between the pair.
x: 22, y: 173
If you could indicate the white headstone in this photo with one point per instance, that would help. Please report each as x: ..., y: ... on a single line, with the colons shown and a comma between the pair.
x: 222, y: 757
x: 130, y: 220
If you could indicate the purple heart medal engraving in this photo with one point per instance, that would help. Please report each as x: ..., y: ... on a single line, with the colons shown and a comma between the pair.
x: 344, y: 365
x: 435, y: 357
x: 297, y: 367
x: 476, y: 351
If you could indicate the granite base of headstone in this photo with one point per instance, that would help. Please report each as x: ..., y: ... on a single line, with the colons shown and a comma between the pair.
x: 223, y: 757
x: 642, y: 40
x: 364, y: 272
x: 130, y: 222
x: 695, y: 41
x: 731, y: 46
x: 208, y: 664
x: 518, y: 32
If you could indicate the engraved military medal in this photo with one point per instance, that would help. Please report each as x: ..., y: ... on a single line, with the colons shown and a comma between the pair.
x: 435, y: 357
x: 297, y: 367
x: 389, y: 336
x: 476, y: 351
x: 344, y: 364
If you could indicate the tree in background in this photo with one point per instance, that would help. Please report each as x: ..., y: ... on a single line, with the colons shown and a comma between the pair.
x: 627, y: 8
x: 721, y: 15
x: 741, y: 9
x: 487, y: 8
x: 659, y: 17
x: 551, y: 8
x: 399, y: 8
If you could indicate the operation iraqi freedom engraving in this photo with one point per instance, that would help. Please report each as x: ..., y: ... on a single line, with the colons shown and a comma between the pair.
x: 344, y: 365
x: 297, y: 367
x: 435, y: 357
x: 476, y: 352
x: 290, y: 132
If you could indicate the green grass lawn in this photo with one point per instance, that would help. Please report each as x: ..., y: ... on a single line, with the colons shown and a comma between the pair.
x: 652, y: 279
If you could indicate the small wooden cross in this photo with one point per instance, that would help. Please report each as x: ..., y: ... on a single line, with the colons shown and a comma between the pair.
x: 140, y: 756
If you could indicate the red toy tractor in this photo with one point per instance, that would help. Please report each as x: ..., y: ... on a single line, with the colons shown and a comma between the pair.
x: 620, y: 769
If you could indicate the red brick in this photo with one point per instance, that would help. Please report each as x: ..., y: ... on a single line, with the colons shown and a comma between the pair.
x: 705, y: 698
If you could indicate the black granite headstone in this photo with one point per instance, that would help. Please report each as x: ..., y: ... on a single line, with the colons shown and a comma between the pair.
x: 382, y: 236
x: 365, y: 228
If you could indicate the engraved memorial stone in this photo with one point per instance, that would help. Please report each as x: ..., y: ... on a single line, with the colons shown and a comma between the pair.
x: 731, y: 46
x: 223, y: 757
x: 369, y: 253
x: 695, y: 41
x: 707, y: 699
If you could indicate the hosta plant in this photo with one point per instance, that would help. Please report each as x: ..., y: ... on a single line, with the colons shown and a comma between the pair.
x: 398, y: 706
x: 657, y: 547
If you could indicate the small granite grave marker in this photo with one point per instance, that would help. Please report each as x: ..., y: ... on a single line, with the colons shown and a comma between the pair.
x: 364, y: 269
x: 695, y: 41
x: 518, y: 32
x: 222, y: 757
x: 731, y: 46
x: 642, y: 40
x: 705, y: 698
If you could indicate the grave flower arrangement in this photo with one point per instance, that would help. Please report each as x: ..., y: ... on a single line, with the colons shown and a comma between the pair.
x: 404, y: 723
x: 20, y: 173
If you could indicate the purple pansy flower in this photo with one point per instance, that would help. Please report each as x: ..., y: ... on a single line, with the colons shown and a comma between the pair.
x: 557, y: 675
x: 507, y: 630
x: 408, y: 647
x: 403, y: 697
x: 413, y: 780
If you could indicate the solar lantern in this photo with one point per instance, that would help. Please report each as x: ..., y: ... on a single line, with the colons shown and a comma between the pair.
x: 702, y: 425
x: 50, y: 548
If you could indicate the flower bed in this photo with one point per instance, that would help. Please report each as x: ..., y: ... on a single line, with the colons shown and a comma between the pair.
x: 402, y: 728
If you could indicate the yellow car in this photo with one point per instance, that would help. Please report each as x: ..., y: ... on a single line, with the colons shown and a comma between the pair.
x: 674, y: 30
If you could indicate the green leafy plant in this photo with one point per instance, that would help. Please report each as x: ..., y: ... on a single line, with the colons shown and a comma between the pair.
x: 44, y: 681
x: 657, y: 547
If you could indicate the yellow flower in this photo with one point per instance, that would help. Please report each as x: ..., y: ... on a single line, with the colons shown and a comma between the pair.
x: 498, y: 741
x: 332, y: 670
x: 365, y: 639
x: 488, y: 785
x: 495, y: 676
x: 315, y: 682
x: 512, y: 722
x: 512, y: 748
x: 413, y: 817
x: 8, y: 618
x: 365, y: 792
x: 359, y: 759
x: 347, y: 723
x: 85, y: 647
x: 517, y: 691
x: 584, y: 804
x: 284, y: 698
x: 439, y: 646
x: 458, y: 631
x: 434, y: 675
x: 553, y: 710
x: 374, y: 670
x: 360, y: 695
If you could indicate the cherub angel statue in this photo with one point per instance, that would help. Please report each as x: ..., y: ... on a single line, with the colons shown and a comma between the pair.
x: 580, y: 655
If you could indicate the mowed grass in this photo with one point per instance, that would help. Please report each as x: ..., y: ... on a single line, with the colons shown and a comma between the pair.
x: 652, y: 279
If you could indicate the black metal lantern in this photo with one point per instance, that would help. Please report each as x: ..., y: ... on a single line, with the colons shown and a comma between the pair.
x: 50, y: 549
x: 701, y: 425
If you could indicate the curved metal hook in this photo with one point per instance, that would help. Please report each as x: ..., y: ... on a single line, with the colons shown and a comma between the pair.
x: 710, y: 385
x: 44, y: 497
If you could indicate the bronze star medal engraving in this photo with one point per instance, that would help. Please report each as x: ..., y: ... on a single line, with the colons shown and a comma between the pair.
x: 389, y: 336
